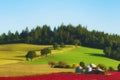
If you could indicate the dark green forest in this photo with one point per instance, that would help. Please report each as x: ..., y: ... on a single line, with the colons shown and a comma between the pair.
x: 66, y: 34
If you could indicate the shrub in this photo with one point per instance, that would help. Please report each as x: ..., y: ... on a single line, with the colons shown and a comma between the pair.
x: 67, y: 66
x: 52, y: 63
x: 102, y: 66
x: 111, y: 69
x: 62, y: 64
x: 55, y: 46
x: 82, y: 64
x: 75, y: 65
x: 30, y: 55
x: 62, y: 45
x: 118, y: 67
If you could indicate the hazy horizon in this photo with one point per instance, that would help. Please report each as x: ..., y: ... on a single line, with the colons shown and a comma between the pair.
x: 100, y: 15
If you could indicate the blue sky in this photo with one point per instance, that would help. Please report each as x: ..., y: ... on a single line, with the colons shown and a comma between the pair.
x: 101, y: 15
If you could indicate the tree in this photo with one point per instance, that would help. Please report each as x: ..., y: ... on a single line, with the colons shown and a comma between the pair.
x: 16, y: 36
x: 55, y: 46
x: 62, y: 45
x: 45, y: 51
x: 68, y: 34
x: 30, y: 55
x: 76, y: 42
x: 10, y: 37
x: 118, y: 67
x: 46, y: 34
x: 107, y: 51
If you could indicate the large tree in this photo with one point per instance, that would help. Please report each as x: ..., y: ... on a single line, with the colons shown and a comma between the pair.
x: 30, y: 55
x: 45, y: 51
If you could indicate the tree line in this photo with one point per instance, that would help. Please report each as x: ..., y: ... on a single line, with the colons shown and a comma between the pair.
x: 66, y: 34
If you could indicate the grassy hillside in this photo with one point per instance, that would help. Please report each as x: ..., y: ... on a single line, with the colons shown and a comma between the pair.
x: 21, y: 47
x: 13, y: 53
x: 88, y: 55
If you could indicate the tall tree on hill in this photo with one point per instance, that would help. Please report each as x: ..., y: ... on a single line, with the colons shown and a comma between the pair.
x: 37, y: 35
x: 10, y: 36
x: 46, y: 33
x: 55, y: 35
x: 17, y: 36
x: 24, y: 35
x: 4, y: 39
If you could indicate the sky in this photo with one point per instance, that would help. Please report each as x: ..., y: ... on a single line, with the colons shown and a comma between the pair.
x: 100, y: 15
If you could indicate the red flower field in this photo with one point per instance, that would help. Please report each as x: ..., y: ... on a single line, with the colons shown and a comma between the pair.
x: 66, y: 76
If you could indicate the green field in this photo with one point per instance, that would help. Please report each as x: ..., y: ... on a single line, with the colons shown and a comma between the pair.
x: 88, y: 55
x: 14, y: 53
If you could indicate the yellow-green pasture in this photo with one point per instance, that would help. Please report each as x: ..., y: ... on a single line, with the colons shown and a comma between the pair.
x: 13, y: 53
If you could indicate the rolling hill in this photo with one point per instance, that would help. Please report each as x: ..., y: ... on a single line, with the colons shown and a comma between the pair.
x: 13, y: 53
x: 75, y: 55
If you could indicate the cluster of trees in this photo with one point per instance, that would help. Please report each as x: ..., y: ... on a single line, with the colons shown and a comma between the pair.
x: 45, y: 51
x: 113, y: 51
x: 63, y: 33
x: 32, y: 54
x: 67, y: 34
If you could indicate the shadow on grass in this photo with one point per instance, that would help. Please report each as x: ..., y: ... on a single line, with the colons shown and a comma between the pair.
x: 12, y: 59
x: 96, y: 54
x: 20, y: 56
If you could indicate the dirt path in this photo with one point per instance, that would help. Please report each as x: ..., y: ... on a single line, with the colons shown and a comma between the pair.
x: 25, y: 69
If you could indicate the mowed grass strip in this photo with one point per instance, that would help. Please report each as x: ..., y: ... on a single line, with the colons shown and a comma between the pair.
x: 87, y: 55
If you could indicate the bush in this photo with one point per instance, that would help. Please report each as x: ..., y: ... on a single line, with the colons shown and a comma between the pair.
x: 82, y: 64
x: 55, y: 46
x: 62, y: 45
x: 52, y: 63
x: 67, y: 66
x: 118, y: 67
x: 111, y: 69
x: 62, y: 64
x: 30, y: 55
x: 75, y: 65
x: 102, y: 66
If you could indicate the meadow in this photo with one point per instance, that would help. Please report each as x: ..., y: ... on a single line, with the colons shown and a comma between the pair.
x: 15, y: 53
x: 75, y: 55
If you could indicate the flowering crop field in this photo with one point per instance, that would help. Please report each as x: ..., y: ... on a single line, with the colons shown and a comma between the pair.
x: 64, y: 76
